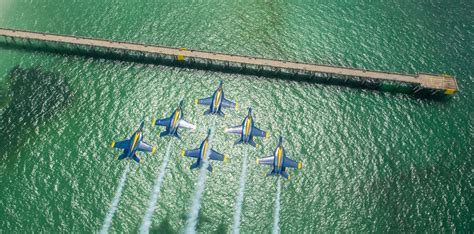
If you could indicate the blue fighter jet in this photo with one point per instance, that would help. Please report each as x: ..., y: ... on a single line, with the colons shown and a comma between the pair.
x: 279, y: 162
x: 247, y: 131
x: 173, y: 123
x: 216, y: 102
x: 132, y: 145
x: 202, y: 152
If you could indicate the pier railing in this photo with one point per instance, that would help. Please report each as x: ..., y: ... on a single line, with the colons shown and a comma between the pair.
x: 422, y: 83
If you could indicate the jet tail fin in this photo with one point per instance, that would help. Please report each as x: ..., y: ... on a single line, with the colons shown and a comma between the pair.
x: 136, y: 158
x: 285, y: 175
x: 208, y: 112
x: 209, y: 167
x: 239, y: 141
x: 122, y: 156
x: 252, y: 143
x: 271, y: 173
x: 194, y: 166
x: 165, y: 133
x: 177, y: 135
x: 221, y: 113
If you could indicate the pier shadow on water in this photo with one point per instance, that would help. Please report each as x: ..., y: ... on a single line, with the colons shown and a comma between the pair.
x: 34, y: 97
x: 146, y: 58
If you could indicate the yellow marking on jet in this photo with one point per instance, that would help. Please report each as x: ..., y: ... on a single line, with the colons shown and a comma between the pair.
x: 113, y: 144
x: 258, y: 161
x: 116, y: 158
x: 176, y: 116
x: 236, y: 105
x: 266, y: 135
x: 218, y: 97
x: 289, y: 177
x: 153, y: 122
x: 135, y: 141
x: 153, y: 150
x: 299, y: 165
x: 279, y: 153
x: 247, y: 126
x: 226, y: 157
x: 196, y: 101
x: 205, y: 150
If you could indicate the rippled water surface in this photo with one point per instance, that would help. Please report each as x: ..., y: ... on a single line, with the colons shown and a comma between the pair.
x: 372, y: 161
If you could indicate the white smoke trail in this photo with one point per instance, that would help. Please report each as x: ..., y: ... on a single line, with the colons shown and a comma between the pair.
x: 240, y: 196
x: 115, y: 201
x: 145, y: 227
x: 276, y: 217
x: 196, y: 202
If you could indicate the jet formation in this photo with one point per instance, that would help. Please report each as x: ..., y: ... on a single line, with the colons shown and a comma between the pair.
x: 247, y: 131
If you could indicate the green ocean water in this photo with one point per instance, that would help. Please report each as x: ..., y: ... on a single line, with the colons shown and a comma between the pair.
x: 373, y: 161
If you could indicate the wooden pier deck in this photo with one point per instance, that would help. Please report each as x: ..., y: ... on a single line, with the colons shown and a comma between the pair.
x: 434, y: 83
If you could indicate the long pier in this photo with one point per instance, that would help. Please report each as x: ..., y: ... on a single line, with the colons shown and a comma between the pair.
x: 430, y: 84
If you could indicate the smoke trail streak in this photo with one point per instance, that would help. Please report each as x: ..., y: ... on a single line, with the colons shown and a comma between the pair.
x: 196, y: 202
x: 276, y: 217
x: 240, y: 196
x: 115, y: 201
x: 145, y: 227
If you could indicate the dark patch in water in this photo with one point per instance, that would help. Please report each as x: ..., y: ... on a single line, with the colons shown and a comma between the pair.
x: 35, y: 97
x: 221, y: 229
x: 164, y: 227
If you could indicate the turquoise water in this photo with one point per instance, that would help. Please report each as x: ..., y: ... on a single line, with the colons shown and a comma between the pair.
x: 372, y: 161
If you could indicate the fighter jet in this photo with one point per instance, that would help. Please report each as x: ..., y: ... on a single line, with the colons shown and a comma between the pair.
x: 132, y: 145
x: 216, y: 102
x: 202, y: 152
x: 247, y: 131
x: 279, y: 162
x: 173, y: 123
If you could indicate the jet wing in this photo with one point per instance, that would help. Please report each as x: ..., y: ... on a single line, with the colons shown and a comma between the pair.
x: 163, y: 122
x: 234, y: 130
x: 183, y: 124
x: 266, y: 160
x: 290, y: 163
x: 194, y: 153
x: 204, y: 101
x: 259, y: 133
x: 217, y: 156
x: 142, y: 146
x: 125, y: 144
x: 228, y: 104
